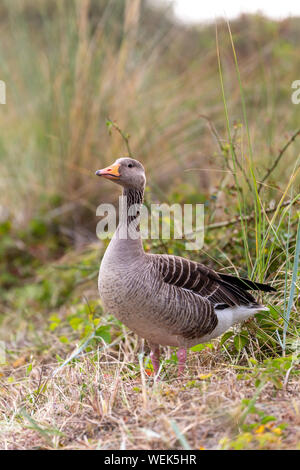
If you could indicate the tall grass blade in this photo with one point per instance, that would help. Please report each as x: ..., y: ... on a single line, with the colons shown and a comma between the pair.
x: 293, y: 286
x: 179, y: 435
x: 233, y: 156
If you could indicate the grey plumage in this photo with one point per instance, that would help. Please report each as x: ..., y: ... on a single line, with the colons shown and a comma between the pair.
x: 166, y: 299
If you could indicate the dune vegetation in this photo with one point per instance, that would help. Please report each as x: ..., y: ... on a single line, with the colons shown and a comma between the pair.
x: 208, y: 111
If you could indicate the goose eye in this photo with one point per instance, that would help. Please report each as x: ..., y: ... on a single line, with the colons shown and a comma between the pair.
x: 130, y: 165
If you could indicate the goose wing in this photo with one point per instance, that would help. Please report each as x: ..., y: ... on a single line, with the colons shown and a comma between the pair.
x: 199, y: 292
x: 222, y: 291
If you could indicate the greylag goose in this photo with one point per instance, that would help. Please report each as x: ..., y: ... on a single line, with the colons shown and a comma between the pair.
x: 166, y: 299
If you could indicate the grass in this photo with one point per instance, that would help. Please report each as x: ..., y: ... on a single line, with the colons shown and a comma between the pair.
x: 211, y: 118
x: 100, y: 402
x: 76, y: 378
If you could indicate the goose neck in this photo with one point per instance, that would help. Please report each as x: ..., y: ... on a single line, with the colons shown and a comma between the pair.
x: 128, y: 230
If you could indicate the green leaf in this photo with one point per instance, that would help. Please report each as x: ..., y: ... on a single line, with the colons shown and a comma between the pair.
x: 240, y: 342
x: 63, y: 339
x: 104, y: 333
x: 226, y: 336
x: 75, y: 323
x: 200, y: 347
x: 267, y: 419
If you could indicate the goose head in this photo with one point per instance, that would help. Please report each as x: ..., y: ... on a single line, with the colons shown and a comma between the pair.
x: 126, y: 172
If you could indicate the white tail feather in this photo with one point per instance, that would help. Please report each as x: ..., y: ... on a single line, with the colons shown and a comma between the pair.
x: 232, y: 315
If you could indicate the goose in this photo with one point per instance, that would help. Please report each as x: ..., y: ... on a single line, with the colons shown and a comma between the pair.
x: 167, y: 300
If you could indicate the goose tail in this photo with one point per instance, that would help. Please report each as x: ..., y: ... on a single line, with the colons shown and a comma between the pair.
x: 246, y: 284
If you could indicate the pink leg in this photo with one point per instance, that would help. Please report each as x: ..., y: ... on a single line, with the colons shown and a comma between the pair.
x: 154, y: 356
x: 181, y: 354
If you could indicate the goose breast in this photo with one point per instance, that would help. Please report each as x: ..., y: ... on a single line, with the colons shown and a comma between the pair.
x: 159, y: 312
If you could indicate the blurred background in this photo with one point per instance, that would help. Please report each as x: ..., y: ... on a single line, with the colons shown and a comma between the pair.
x: 69, y: 65
x: 206, y: 106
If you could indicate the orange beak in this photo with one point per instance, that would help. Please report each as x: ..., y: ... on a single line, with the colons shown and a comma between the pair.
x: 111, y: 172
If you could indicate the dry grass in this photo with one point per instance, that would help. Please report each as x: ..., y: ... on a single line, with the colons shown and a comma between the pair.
x: 98, y: 402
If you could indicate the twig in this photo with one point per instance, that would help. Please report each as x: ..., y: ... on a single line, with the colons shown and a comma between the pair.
x: 277, y: 160
x: 238, y: 219
x: 218, y: 138
x: 124, y: 136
